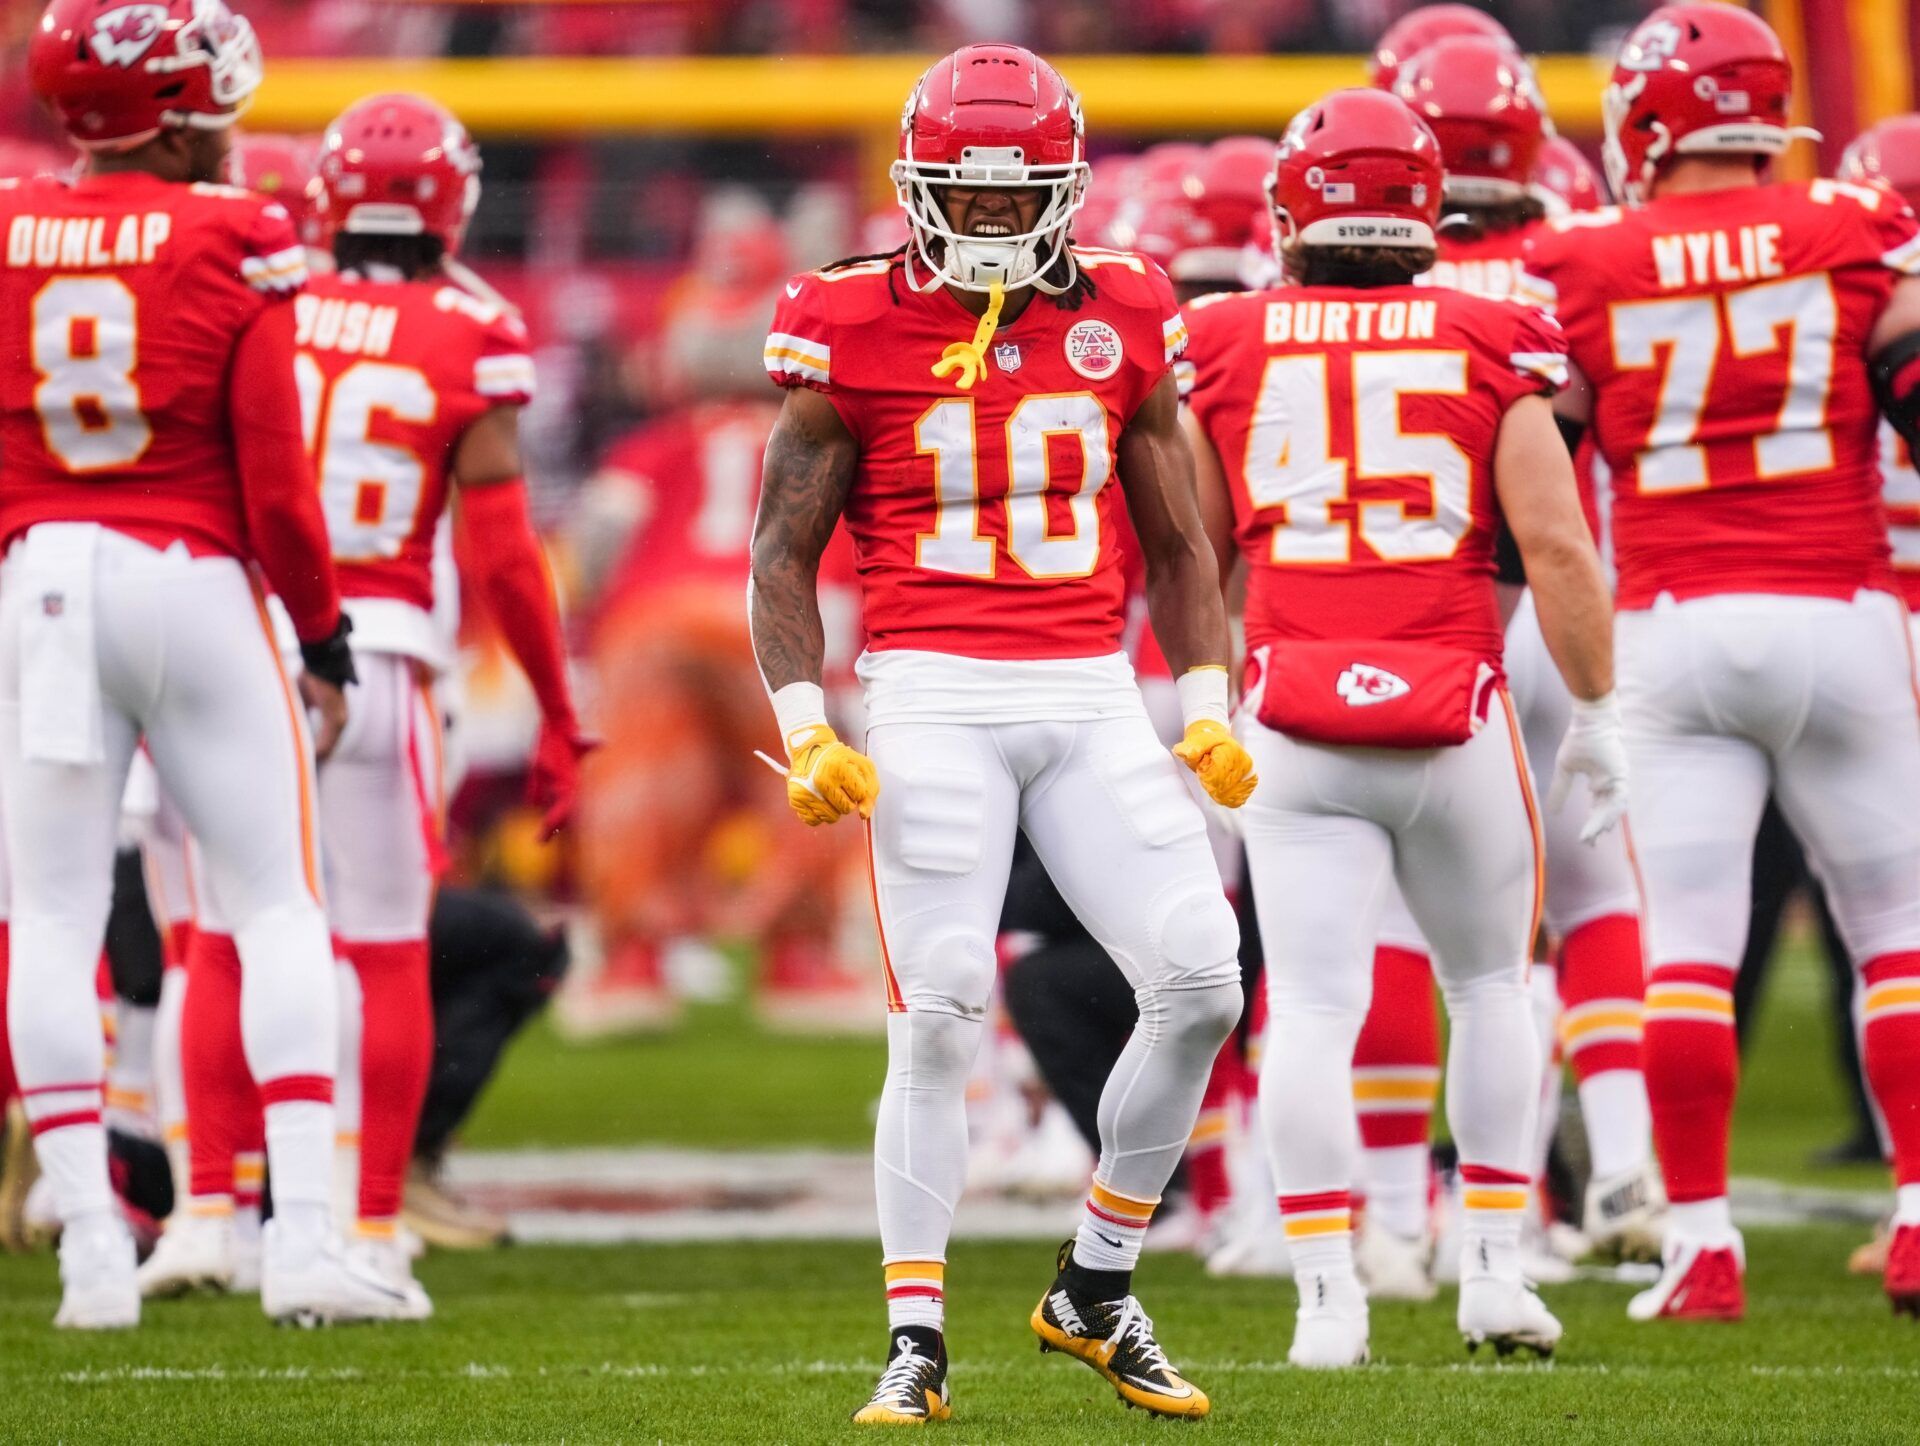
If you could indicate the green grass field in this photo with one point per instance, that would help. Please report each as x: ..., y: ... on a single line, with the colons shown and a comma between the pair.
x: 766, y: 1342
x: 780, y: 1343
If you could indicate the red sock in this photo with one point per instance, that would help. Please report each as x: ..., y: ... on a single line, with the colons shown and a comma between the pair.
x: 8, y: 1082
x: 396, y: 1054
x: 223, y: 1107
x: 1396, y: 1061
x: 1693, y: 1069
x: 1891, y: 1013
x: 1603, y: 985
x: 1207, y: 1181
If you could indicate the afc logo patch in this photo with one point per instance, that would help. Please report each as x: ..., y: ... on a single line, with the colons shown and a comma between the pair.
x: 1006, y: 356
x: 120, y: 37
x: 1093, y: 350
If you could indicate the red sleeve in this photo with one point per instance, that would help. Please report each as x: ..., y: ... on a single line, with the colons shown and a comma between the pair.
x: 503, y: 372
x: 799, y: 350
x: 503, y: 561
x: 1538, y: 351
x: 272, y: 260
x: 278, y: 492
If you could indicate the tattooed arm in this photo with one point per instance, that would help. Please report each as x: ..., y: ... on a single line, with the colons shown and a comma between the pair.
x: 1183, y: 577
x: 803, y: 487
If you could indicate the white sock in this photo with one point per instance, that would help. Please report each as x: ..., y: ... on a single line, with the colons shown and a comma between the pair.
x: 1112, y: 1227
x: 1490, y: 1241
x: 130, y: 1076
x: 1906, y: 1205
x: 74, y: 1160
x: 1398, y: 1180
x: 1710, y: 1220
x: 1329, y: 1255
x: 300, y: 1154
x: 1619, y: 1123
x: 916, y: 1293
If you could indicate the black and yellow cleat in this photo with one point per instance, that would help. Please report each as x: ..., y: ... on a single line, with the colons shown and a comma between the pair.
x: 912, y: 1390
x: 1116, y: 1339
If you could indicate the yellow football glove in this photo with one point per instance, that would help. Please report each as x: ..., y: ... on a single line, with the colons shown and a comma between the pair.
x: 1224, y: 768
x: 827, y: 780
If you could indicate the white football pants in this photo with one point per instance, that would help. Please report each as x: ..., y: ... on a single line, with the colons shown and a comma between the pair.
x: 1327, y: 831
x: 104, y: 641
x: 1726, y: 697
x: 1107, y: 810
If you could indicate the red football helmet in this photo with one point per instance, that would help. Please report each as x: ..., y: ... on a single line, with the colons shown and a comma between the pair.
x: 1225, y: 192
x: 1480, y: 99
x: 1696, y: 79
x: 1109, y: 187
x: 280, y: 167
x: 115, y: 75
x: 1564, y: 179
x: 397, y: 165
x: 1150, y: 212
x: 990, y: 117
x: 1888, y: 153
x: 1417, y: 29
x: 1356, y: 169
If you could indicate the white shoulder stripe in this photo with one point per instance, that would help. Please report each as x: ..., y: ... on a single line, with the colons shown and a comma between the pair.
x: 1904, y: 258
x: 507, y: 375
x: 1536, y: 291
x: 282, y: 271
x: 1549, y: 366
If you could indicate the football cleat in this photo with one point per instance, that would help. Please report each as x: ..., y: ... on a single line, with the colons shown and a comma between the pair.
x: 1507, y: 1315
x: 1252, y: 1249
x: 19, y: 1168
x: 195, y: 1252
x: 1626, y: 1215
x: 313, y: 1282
x: 1700, y: 1280
x: 911, y: 1392
x: 1115, y: 1337
x: 97, y: 1287
x: 1395, y: 1267
x: 1330, y: 1330
x: 1903, y: 1270
x: 392, y: 1262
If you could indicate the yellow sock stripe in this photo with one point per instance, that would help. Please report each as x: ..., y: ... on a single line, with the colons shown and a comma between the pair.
x: 209, y: 1207
x: 1896, y: 996
x: 1318, y: 1222
x: 1689, y: 1001
x: 1207, y: 1129
x: 933, y: 1270
x: 377, y: 1229
x: 1619, y: 1020
x: 1494, y: 1197
x: 1114, y: 1203
x: 174, y: 1134
x: 1375, y: 1090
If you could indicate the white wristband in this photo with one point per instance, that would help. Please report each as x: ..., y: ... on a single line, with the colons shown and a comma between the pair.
x: 1203, y: 694
x: 1596, y: 709
x: 799, y: 708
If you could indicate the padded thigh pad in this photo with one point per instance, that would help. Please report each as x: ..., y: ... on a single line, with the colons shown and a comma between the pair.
x: 1144, y: 782
x: 935, y: 789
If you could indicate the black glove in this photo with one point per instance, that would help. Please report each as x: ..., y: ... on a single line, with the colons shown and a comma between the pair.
x: 330, y: 659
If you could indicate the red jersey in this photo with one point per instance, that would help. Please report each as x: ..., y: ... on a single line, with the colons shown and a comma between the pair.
x: 1486, y: 265
x: 1902, y: 494
x: 1357, y: 431
x: 392, y: 373
x: 1725, y: 337
x: 982, y: 520
x: 126, y: 296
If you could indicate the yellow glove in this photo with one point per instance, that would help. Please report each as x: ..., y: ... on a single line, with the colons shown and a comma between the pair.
x: 827, y: 780
x: 1224, y: 768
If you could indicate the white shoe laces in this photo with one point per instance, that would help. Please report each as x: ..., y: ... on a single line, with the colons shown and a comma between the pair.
x: 897, y: 1382
x: 1135, y: 1323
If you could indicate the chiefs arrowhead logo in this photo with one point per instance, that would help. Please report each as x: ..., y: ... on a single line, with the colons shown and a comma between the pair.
x: 1363, y: 685
x: 120, y: 37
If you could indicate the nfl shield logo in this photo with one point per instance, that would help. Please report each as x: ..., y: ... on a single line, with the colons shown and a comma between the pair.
x: 1006, y: 356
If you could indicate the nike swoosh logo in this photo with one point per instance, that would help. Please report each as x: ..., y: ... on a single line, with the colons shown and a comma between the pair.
x: 1158, y: 1387
x: 1117, y: 1245
x: 793, y: 292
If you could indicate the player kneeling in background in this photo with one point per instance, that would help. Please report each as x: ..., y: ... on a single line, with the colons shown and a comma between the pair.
x: 973, y: 478
x: 1360, y: 437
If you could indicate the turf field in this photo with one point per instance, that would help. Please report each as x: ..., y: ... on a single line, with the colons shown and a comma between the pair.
x: 778, y: 1343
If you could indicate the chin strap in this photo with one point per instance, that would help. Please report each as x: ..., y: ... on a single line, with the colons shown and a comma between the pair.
x: 969, y: 358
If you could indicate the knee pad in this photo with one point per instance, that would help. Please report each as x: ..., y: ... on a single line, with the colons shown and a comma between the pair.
x: 1206, y: 1012
x: 950, y: 974
x: 1196, y: 939
x: 932, y: 1049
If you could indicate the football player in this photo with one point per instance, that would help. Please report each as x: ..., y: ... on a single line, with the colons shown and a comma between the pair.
x: 964, y: 405
x: 411, y: 386
x: 1725, y: 328
x: 1360, y: 437
x: 139, y: 489
x: 1482, y: 103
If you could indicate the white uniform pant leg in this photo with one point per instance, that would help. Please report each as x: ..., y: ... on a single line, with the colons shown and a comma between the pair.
x: 1848, y: 780
x: 1584, y: 881
x: 1699, y: 785
x: 1321, y: 863
x: 1468, y: 859
x: 229, y: 737
x: 61, y: 827
x: 1110, y: 817
x: 942, y: 844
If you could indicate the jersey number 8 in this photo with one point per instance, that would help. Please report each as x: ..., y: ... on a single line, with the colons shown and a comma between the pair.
x: 84, y: 348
